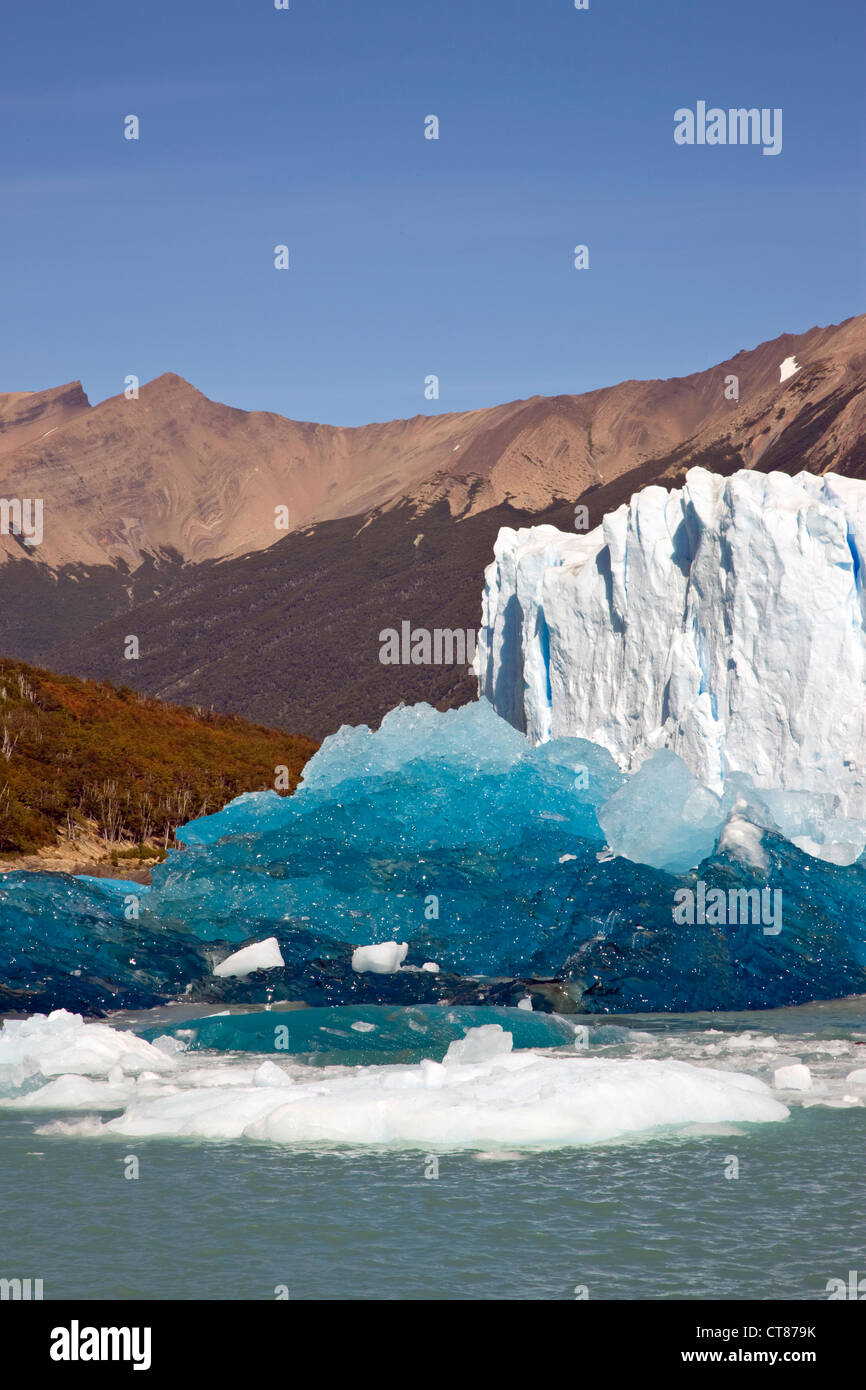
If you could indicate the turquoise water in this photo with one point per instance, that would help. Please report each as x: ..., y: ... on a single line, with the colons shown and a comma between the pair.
x: 650, y: 1217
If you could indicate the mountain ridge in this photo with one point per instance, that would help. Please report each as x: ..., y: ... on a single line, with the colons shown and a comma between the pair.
x: 176, y: 471
x: 287, y: 632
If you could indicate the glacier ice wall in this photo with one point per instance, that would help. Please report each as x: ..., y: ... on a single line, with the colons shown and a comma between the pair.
x: 724, y: 621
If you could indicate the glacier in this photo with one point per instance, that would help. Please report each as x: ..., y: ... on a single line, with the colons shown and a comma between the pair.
x: 670, y: 712
x: 723, y: 621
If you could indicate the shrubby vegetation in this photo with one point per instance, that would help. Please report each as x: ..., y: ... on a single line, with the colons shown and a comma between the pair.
x: 77, y: 755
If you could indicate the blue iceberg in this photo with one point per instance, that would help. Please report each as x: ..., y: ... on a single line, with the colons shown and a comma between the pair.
x: 506, y: 865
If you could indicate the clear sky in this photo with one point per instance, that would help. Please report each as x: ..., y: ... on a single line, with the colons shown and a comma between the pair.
x: 410, y: 256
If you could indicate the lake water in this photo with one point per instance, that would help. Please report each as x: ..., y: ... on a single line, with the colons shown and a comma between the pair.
x: 650, y: 1217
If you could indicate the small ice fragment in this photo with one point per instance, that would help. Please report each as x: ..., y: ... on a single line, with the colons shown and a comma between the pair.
x: 171, y: 1046
x: 433, y: 1074
x: 744, y: 841
x: 361, y: 1027
x: 269, y: 1074
x: 262, y: 955
x: 662, y: 816
x: 480, y: 1045
x: 796, y: 1077
x: 525, y: 1003
x: 431, y: 966
x: 384, y: 959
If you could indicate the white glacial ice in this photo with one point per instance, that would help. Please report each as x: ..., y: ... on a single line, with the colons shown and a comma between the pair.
x: 794, y: 1077
x: 483, y: 1095
x: 61, y: 1044
x: 488, y: 1097
x: 723, y: 621
x: 261, y: 955
x: 384, y: 959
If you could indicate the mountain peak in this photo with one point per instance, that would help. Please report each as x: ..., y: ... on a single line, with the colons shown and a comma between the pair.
x: 171, y: 383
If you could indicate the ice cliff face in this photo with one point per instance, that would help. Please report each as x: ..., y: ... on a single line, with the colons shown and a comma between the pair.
x: 724, y: 621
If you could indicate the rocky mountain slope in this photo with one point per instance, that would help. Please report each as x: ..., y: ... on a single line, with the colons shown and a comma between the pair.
x: 159, y: 519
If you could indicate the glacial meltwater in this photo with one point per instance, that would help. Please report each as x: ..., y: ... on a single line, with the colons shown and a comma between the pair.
x: 139, y: 1178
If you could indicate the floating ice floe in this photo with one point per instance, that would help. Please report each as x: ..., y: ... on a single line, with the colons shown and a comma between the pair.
x: 63, y: 1044
x: 795, y: 1077
x: 482, y: 1095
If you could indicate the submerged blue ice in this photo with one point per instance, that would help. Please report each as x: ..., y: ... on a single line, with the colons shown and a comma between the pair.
x: 488, y: 856
x: 362, y: 1035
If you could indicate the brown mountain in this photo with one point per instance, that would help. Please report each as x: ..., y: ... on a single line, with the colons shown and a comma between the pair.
x: 26, y: 417
x: 174, y: 472
x: 159, y: 520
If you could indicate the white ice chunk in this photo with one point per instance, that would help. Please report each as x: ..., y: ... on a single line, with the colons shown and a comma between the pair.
x: 61, y: 1043
x: 480, y: 1045
x: 795, y: 1077
x: 262, y: 955
x: 74, y: 1093
x: 269, y: 1074
x: 384, y: 959
x: 494, y: 1103
x: 744, y: 841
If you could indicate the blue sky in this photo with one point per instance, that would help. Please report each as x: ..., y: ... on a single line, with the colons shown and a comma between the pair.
x: 412, y: 256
